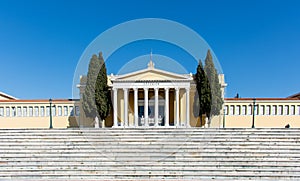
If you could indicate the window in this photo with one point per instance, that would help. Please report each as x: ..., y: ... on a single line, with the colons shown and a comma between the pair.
x: 59, y: 111
x: 19, y: 112
x: 14, y: 112
x: 30, y: 111
x: 249, y: 111
x: 36, y: 111
x: 237, y: 110
x: 274, y: 110
x: 231, y: 110
x: 77, y: 111
x: 244, y: 110
x: 47, y: 111
x: 24, y: 111
x: 256, y: 109
x: 42, y: 111
x: 66, y: 111
x: 226, y: 110
x: 292, y: 111
x: 286, y: 110
x: 298, y: 110
x: 71, y: 111
x: 7, y: 111
x: 262, y: 110
x: 1, y: 111
x: 280, y: 110
x: 53, y: 111
x: 268, y: 109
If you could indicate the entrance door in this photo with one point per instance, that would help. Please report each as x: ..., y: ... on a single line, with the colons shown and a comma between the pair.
x: 151, y: 112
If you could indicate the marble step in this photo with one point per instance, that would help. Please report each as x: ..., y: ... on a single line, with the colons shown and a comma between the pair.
x: 154, y: 146
x: 147, y: 150
x: 156, y: 131
x: 150, y: 173
x: 151, y: 137
x: 157, y: 153
x: 88, y: 163
x: 152, y: 169
x: 102, y: 158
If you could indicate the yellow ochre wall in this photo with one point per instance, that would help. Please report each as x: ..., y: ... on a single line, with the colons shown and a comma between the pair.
x: 36, y: 121
x: 263, y: 120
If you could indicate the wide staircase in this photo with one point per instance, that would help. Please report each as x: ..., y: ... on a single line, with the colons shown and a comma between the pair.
x: 150, y: 154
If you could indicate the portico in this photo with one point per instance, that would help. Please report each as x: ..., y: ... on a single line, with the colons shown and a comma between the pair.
x: 151, y: 97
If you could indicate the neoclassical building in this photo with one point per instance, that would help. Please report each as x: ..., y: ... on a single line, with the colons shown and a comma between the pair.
x: 169, y: 101
x: 151, y: 98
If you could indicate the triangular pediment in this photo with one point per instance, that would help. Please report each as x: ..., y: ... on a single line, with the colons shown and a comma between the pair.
x: 151, y: 74
x: 4, y: 96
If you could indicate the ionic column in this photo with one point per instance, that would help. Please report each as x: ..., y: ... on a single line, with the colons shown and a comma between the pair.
x: 166, y: 106
x: 187, y: 93
x: 146, y: 106
x: 156, y: 106
x: 177, y: 107
x: 125, y: 107
x: 136, y: 118
x: 115, y: 90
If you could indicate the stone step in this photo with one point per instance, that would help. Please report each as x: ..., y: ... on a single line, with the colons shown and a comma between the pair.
x: 154, y: 177
x: 145, y: 141
x: 159, y: 132
x: 153, y: 169
x: 152, y: 159
x: 152, y: 153
x: 156, y: 131
x: 150, y: 173
x: 153, y: 147
x: 147, y: 168
x: 153, y: 136
x: 152, y: 141
x: 204, y: 163
x: 147, y: 150
x: 207, y: 163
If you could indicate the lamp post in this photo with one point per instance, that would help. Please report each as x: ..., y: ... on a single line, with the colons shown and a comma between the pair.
x: 50, y: 101
x: 253, y: 112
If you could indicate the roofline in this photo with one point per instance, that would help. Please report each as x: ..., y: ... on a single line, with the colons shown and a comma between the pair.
x: 7, y: 96
x: 295, y: 95
x: 39, y: 100
x: 259, y: 99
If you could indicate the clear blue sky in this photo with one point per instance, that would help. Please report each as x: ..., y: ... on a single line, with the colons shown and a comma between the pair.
x: 257, y: 42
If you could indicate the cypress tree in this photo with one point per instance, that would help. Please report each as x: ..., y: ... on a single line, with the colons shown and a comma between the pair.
x: 216, y: 95
x: 102, y: 94
x: 88, y: 97
x: 203, y: 95
x: 96, y: 98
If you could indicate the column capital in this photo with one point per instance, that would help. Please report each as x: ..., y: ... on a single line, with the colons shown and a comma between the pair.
x: 135, y: 89
x: 156, y: 88
x: 187, y: 88
x: 125, y: 89
x: 114, y: 88
x: 167, y: 88
x: 177, y: 88
x: 146, y: 88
